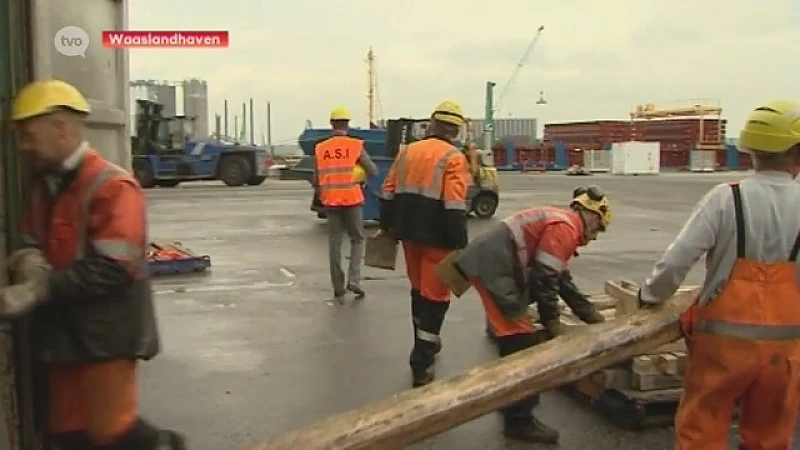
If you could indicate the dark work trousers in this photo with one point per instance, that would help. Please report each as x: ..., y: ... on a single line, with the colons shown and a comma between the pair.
x: 427, y: 317
x: 519, y: 413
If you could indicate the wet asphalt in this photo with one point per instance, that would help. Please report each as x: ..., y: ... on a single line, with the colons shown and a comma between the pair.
x: 254, y: 348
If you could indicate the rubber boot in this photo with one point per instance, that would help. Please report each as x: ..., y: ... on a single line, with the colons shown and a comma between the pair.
x: 429, y: 316
x: 144, y: 436
x: 69, y: 441
x: 531, y: 430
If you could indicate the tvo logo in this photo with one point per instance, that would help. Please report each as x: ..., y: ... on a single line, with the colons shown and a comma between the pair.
x: 72, y: 41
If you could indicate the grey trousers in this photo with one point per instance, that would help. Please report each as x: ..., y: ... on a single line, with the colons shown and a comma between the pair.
x: 349, y: 220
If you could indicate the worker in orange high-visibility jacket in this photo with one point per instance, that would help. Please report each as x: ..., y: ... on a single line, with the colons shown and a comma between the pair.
x: 339, y: 158
x: 743, y: 331
x: 424, y: 206
x: 82, y: 276
x: 523, y: 261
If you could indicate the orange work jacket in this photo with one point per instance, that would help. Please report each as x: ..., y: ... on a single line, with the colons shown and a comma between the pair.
x: 336, y: 157
x: 99, y: 210
x: 424, y: 198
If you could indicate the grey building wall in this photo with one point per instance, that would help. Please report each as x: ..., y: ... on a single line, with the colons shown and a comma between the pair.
x: 166, y: 95
x: 195, y: 104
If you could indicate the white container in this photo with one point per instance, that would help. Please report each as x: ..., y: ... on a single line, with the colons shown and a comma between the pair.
x: 702, y: 160
x: 636, y: 158
x: 597, y: 160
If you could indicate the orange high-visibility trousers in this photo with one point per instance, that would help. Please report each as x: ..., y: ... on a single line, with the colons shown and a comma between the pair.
x: 421, y: 262
x: 99, y: 399
x: 499, y: 325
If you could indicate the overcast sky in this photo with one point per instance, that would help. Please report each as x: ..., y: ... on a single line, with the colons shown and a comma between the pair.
x: 596, y: 58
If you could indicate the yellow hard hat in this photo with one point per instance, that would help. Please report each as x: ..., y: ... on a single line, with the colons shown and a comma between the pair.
x: 593, y: 199
x: 449, y: 112
x: 340, y: 114
x: 43, y: 97
x: 772, y: 128
x: 359, y: 174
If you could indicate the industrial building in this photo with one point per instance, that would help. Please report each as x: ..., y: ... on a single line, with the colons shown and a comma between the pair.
x: 194, y: 102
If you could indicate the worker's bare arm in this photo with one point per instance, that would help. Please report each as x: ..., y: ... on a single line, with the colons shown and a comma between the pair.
x: 117, y: 237
x: 697, y: 237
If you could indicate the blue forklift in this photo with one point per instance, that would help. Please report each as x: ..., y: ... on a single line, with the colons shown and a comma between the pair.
x: 382, y: 145
x: 164, y: 155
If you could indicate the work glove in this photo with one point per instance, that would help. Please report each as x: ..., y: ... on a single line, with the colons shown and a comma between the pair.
x: 554, y: 328
x: 18, y: 299
x: 28, y: 264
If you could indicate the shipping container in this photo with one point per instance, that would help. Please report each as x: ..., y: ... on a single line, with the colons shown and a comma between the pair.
x: 635, y: 158
x: 597, y: 160
x: 503, y: 128
x: 674, y: 159
x: 702, y: 161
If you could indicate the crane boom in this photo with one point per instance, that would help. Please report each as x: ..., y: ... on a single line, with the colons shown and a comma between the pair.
x: 515, y: 75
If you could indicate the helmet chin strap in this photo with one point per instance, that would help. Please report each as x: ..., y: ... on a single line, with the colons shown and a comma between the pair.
x: 586, y: 231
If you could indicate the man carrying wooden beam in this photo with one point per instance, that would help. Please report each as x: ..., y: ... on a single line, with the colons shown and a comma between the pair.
x: 743, y: 331
x: 521, y: 261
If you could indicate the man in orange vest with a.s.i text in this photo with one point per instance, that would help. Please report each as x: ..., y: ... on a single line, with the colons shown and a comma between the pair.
x: 424, y: 205
x: 82, y: 277
x: 338, y: 159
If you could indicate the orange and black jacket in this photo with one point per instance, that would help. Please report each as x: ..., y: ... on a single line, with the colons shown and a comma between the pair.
x: 91, y: 226
x: 424, y: 198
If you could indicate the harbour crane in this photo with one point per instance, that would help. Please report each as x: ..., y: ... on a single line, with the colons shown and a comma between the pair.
x: 491, y: 109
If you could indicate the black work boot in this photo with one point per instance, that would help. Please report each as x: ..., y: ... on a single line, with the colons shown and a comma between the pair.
x: 69, y: 441
x: 144, y: 436
x: 422, y: 376
x: 531, y: 431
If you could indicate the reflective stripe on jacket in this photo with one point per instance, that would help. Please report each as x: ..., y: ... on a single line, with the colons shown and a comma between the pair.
x: 500, y: 258
x: 93, y: 232
x: 336, y: 157
x: 425, y: 194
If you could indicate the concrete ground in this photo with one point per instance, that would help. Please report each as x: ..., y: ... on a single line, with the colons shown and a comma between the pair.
x: 253, y: 348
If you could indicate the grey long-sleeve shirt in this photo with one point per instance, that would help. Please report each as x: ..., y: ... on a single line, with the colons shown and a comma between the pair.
x: 772, y: 220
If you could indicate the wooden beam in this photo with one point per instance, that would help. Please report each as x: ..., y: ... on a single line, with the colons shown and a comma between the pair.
x: 417, y: 414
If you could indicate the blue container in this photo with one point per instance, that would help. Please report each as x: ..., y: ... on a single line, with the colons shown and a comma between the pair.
x: 372, y: 190
x: 374, y: 140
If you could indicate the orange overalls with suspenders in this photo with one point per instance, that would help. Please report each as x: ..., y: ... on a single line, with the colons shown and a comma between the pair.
x: 745, y: 346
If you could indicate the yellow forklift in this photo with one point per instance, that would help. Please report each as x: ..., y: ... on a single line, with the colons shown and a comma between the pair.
x: 484, y: 191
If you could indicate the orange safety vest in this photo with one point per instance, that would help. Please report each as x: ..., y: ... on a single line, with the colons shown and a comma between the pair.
x: 336, y: 158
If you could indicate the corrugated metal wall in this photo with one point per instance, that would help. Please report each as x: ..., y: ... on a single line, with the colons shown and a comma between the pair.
x: 507, y: 127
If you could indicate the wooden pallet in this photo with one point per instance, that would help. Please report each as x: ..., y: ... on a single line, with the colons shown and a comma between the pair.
x: 639, y: 393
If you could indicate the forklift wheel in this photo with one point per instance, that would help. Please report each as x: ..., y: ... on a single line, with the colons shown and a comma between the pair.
x: 484, y: 205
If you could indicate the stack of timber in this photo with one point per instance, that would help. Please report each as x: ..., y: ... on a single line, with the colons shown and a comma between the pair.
x: 639, y: 393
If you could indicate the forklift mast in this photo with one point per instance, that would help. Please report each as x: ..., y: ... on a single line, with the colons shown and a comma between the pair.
x: 400, y: 132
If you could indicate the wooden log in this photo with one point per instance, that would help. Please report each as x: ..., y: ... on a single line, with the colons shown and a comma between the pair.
x: 417, y: 414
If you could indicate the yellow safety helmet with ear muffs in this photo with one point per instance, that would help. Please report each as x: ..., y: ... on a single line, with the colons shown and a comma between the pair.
x: 449, y: 112
x: 593, y: 198
x: 340, y: 114
x: 359, y: 174
x: 44, y: 97
x: 772, y: 128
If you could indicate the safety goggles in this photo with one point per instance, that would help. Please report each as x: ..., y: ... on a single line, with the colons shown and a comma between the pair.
x: 594, y: 192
